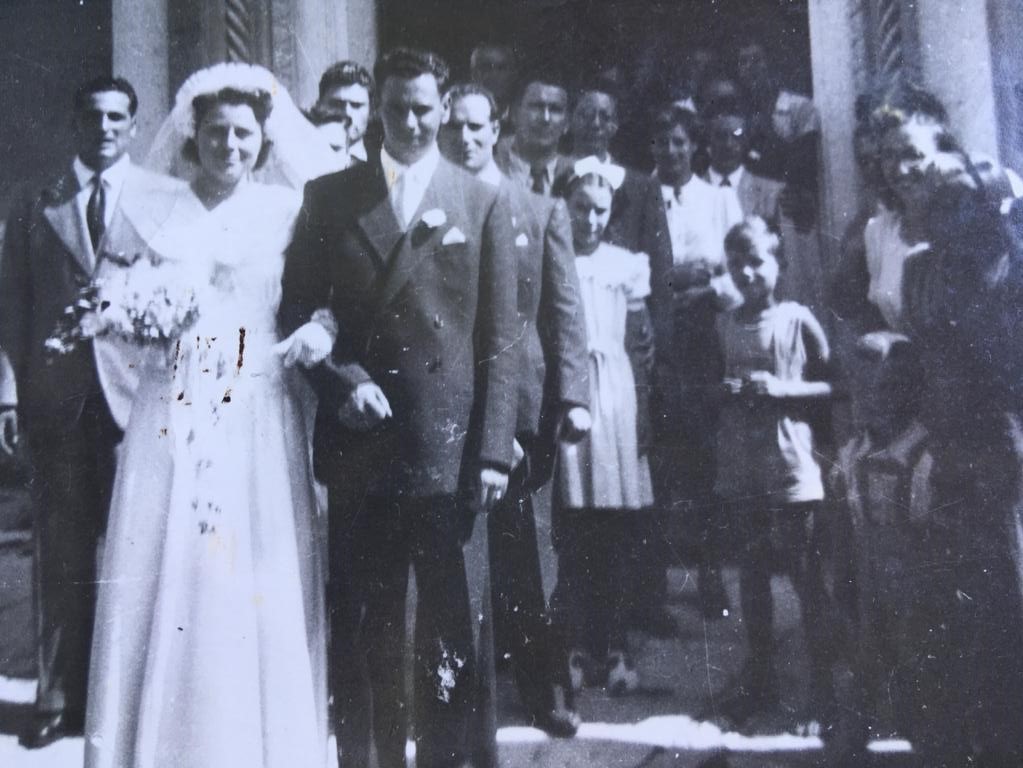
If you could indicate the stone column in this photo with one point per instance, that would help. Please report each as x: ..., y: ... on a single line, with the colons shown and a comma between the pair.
x: 310, y: 35
x: 140, y: 54
x: 158, y: 43
x: 955, y: 59
x: 1005, y: 20
x: 838, y: 61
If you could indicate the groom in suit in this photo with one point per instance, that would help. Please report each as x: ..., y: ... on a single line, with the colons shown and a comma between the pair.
x: 69, y: 405
x: 416, y: 417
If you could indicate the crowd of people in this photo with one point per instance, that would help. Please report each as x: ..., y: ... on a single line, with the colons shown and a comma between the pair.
x: 416, y: 304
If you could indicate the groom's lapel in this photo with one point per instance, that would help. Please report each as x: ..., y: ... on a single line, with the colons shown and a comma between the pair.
x: 62, y: 213
x: 378, y: 221
x: 421, y: 239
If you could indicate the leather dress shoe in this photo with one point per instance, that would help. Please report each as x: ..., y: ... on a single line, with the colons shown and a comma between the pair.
x: 45, y: 729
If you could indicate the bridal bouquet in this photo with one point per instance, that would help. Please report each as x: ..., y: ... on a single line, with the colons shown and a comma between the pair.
x: 143, y: 300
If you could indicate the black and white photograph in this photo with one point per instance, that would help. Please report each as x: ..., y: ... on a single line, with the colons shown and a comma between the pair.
x: 511, y: 384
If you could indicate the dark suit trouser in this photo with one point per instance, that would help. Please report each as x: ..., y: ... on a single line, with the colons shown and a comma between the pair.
x: 73, y: 479
x: 372, y: 545
x: 521, y: 625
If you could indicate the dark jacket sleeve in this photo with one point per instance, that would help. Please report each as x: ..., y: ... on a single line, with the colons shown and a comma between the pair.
x: 306, y: 287
x: 16, y: 288
x: 560, y: 322
x: 656, y: 244
x: 847, y: 290
x: 496, y: 330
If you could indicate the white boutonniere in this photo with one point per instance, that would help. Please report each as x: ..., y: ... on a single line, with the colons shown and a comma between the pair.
x: 434, y: 218
x: 522, y: 241
x: 453, y: 236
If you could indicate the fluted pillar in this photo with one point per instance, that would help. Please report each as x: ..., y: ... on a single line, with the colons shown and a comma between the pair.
x: 158, y: 43
x: 838, y: 54
x: 141, y: 54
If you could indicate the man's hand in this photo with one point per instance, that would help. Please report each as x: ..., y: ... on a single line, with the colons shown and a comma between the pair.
x: 8, y: 430
x: 576, y: 424
x: 366, y: 407
x: 493, y: 486
x: 766, y: 384
x: 307, y: 346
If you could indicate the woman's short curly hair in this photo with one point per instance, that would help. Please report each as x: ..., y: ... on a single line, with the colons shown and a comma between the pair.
x: 259, y: 101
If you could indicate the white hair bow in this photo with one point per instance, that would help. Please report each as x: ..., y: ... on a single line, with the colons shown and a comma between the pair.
x: 611, y: 173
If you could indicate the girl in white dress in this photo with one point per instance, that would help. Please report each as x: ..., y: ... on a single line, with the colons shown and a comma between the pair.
x: 209, y: 640
x: 603, y: 480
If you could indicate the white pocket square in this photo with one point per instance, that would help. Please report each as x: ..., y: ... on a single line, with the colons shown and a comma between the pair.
x: 522, y: 241
x: 453, y: 236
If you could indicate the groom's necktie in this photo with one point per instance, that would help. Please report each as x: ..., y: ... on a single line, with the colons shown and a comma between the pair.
x: 403, y: 200
x: 95, y: 211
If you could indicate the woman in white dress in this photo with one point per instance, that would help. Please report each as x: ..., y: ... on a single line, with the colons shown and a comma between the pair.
x: 209, y: 640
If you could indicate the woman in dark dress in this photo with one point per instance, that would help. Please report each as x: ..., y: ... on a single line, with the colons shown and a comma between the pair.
x: 962, y: 299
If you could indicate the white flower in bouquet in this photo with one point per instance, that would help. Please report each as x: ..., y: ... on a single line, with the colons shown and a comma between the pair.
x: 144, y: 301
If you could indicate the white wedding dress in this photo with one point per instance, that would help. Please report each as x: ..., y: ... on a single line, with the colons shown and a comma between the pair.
x: 209, y: 648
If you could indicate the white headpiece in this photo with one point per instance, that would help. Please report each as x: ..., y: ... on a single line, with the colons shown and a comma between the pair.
x: 299, y: 151
x: 611, y: 173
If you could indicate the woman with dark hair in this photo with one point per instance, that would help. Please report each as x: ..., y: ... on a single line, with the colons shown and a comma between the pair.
x: 962, y: 299
x: 209, y: 640
x: 865, y: 289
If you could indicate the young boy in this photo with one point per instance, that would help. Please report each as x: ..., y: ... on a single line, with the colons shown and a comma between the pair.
x: 776, y: 382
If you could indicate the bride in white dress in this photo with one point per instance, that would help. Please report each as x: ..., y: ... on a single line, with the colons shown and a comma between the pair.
x: 209, y: 641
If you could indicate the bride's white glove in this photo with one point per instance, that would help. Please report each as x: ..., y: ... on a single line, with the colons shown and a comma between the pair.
x: 307, y: 346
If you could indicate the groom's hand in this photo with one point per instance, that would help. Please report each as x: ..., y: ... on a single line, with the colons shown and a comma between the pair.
x: 307, y: 346
x: 366, y: 407
x: 493, y: 486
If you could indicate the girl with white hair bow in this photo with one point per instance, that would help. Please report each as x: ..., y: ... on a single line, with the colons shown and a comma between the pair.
x: 602, y: 481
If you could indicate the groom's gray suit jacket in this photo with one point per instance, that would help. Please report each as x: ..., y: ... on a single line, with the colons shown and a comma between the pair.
x: 428, y: 314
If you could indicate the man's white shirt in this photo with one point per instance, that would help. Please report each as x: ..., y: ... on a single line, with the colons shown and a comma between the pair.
x: 406, y: 184
x: 692, y: 211
x: 358, y: 151
x: 490, y: 174
x: 112, y: 180
x: 520, y: 170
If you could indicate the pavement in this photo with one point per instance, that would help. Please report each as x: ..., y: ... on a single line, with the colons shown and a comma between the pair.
x: 653, y: 728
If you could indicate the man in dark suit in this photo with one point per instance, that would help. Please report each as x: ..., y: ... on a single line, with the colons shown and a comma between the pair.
x: 416, y: 418
x: 553, y: 400
x: 530, y: 156
x: 638, y: 223
x: 69, y: 405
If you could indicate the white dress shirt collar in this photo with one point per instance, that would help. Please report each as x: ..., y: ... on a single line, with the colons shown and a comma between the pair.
x: 734, y: 177
x: 406, y: 184
x: 420, y: 171
x: 113, y: 176
x: 522, y: 168
x: 358, y: 150
x: 490, y: 173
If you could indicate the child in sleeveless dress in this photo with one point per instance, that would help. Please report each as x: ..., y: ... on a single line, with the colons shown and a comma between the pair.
x: 602, y: 482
